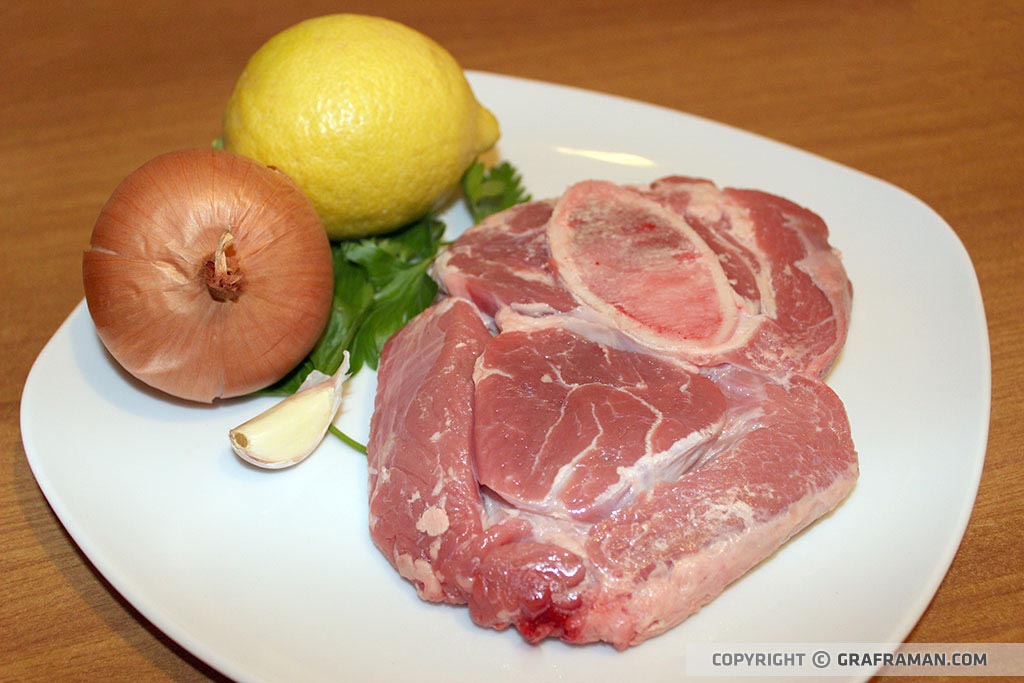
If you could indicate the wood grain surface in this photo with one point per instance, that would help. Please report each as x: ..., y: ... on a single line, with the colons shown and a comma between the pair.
x: 926, y: 95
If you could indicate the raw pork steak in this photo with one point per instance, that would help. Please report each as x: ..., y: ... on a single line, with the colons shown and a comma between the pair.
x: 573, y: 429
x: 617, y: 412
x: 681, y: 267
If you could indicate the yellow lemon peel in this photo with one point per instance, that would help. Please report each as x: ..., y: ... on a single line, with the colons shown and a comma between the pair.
x: 375, y: 121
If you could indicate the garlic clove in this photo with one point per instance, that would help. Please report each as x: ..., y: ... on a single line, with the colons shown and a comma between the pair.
x: 290, y: 431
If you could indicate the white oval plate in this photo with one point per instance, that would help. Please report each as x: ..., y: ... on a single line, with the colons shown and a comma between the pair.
x: 271, y: 576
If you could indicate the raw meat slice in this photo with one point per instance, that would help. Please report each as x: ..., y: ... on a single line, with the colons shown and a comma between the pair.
x: 572, y: 428
x: 782, y: 457
x: 426, y: 512
x: 643, y: 269
x: 788, y: 301
x: 505, y: 260
x: 776, y: 252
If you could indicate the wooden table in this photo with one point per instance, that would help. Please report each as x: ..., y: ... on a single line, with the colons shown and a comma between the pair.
x: 926, y: 95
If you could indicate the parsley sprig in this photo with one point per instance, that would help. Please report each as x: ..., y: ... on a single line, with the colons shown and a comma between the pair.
x: 492, y: 191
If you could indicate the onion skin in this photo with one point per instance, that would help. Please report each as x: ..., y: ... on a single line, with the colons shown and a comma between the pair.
x: 164, y: 305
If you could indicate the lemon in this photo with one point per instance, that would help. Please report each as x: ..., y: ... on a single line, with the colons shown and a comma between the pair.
x: 375, y: 121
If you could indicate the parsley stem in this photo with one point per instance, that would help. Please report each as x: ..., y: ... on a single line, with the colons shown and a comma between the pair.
x: 352, y: 443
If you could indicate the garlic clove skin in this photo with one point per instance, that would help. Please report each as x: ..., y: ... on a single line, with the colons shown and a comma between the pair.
x: 288, y: 432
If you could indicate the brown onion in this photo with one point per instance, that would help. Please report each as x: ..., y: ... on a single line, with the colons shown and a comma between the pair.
x: 208, y: 274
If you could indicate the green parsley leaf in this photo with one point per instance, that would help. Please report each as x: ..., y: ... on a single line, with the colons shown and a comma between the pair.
x: 419, y: 242
x: 409, y: 291
x: 353, y: 294
x: 380, y: 284
x: 492, y: 191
